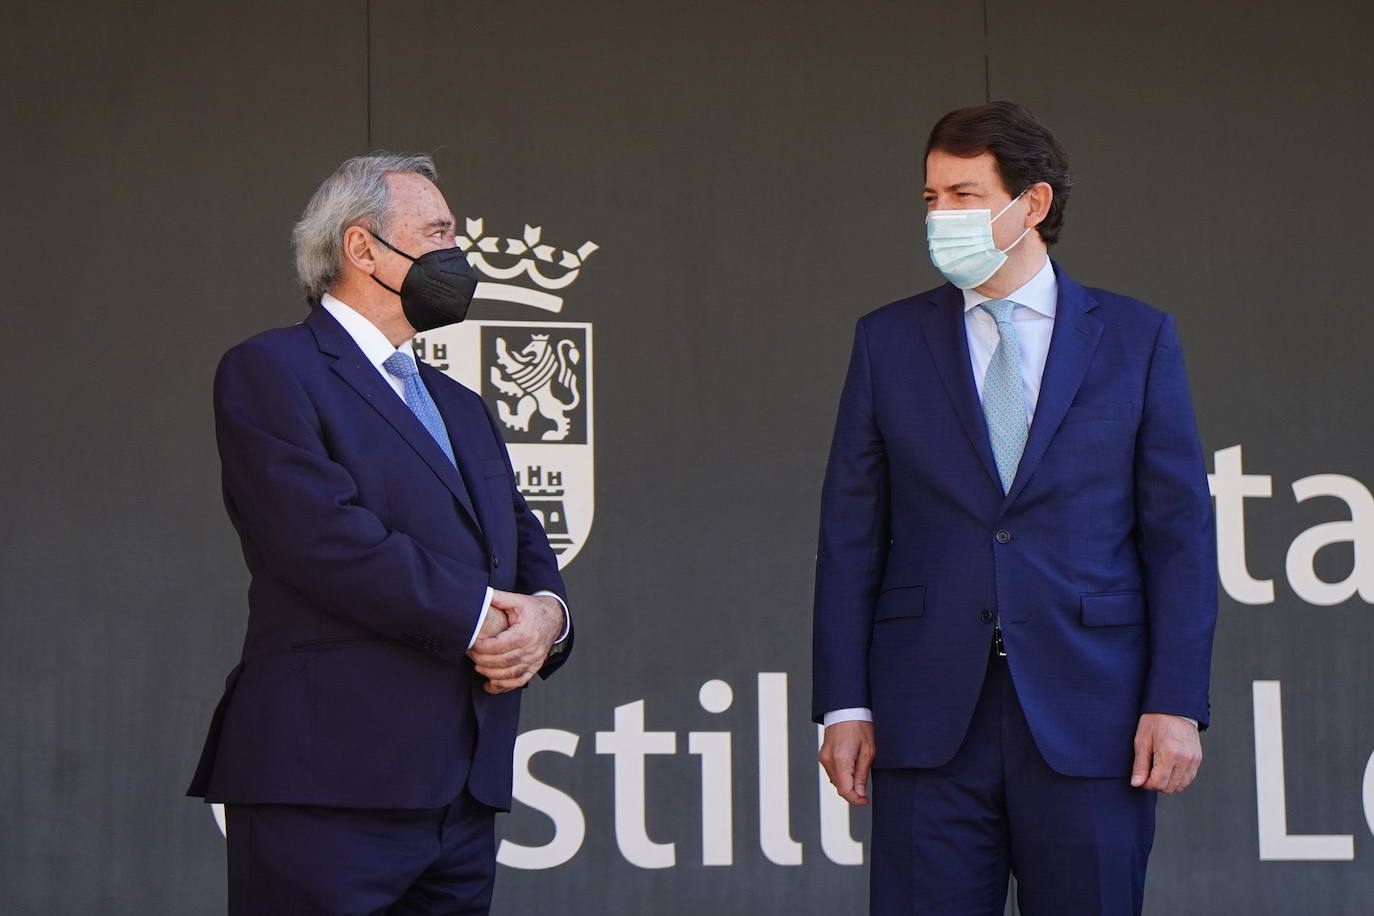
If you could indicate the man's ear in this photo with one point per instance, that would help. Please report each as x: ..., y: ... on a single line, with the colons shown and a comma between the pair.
x: 359, y: 249
x: 1040, y: 195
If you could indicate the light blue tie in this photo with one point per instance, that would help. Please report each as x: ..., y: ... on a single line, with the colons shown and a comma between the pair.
x: 402, y: 365
x: 1003, y: 404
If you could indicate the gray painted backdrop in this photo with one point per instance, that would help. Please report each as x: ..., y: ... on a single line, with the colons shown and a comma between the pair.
x: 752, y: 175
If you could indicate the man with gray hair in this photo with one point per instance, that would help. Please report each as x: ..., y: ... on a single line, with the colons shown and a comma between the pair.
x: 401, y: 588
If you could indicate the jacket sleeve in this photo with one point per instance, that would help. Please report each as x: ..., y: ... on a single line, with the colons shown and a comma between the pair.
x: 537, y: 565
x: 854, y: 538
x: 299, y: 518
x: 1176, y: 539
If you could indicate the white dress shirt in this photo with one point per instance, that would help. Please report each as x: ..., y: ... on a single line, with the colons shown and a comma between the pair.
x: 378, y: 350
x: 1036, y: 302
x: 1034, y: 317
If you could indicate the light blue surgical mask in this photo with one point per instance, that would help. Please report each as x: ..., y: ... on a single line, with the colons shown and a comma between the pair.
x: 961, y: 244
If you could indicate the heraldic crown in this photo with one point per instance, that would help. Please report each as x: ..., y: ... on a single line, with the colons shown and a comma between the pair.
x: 529, y: 251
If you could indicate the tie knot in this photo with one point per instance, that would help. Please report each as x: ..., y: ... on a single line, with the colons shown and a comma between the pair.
x: 999, y: 309
x: 401, y: 364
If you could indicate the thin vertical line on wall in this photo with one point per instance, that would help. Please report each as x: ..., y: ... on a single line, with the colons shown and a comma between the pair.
x: 367, y: 67
x: 987, y: 68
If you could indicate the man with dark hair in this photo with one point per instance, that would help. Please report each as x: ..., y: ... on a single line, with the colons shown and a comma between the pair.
x: 402, y: 591
x: 1015, y: 588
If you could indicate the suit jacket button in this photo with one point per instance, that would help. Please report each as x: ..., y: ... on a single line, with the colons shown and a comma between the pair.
x: 1002, y: 535
x: 985, y: 615
x: 495, y: 561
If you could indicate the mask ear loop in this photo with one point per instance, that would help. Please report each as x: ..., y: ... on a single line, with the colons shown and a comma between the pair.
x: 395, y: 292
x: 1004, y: 210
x: 994, y: 219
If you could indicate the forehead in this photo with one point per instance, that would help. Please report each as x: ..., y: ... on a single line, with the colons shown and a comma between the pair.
x: 415, y: 199
x: 943, y: 171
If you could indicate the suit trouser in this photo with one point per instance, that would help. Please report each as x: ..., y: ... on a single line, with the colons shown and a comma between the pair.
x: 945, y: 838
x: 304, y: 860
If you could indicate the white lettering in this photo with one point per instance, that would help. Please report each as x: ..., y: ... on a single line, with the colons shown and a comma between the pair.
x: 717, y: 816
x: 569, y: 824
x: 775, y: 829
x: 628, y: 744
x: 1231, y: 485
x: 1367, y: 795
x: 1359, y: 530
x: 1275, y: 842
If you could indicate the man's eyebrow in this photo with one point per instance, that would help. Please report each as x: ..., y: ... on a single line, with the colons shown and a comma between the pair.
x: 961, y: 186
x: 439, y: 224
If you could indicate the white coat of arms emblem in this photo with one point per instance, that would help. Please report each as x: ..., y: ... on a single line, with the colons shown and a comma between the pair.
x: 535, y: 376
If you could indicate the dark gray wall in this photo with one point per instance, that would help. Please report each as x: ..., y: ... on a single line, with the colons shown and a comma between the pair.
x: 752, y: 175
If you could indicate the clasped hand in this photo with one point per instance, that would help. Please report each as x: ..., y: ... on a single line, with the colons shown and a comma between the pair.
x: 515, y: 639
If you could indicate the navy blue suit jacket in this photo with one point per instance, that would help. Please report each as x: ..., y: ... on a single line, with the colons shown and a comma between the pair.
x: 370, y: 556
x: 1100, y: 560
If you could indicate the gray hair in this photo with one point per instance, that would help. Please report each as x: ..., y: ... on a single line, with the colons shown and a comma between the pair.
x: 355, y: 195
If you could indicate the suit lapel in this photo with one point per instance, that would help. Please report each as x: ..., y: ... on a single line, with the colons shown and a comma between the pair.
x: 942, y: 319
x: 463, y: 433
x: 350, y: 364
x: 1075, y: 338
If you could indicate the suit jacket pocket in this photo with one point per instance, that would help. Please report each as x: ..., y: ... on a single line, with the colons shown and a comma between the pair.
x: 495, y: 467
x: 1114, y: 609
x: 900, y: 601
x: 496, y: 477
x: 341, y: 642
x: 1099, y: 412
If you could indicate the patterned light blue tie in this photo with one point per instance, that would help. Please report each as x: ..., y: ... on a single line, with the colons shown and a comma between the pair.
x: 402, y: 365
x: 1003, y: 404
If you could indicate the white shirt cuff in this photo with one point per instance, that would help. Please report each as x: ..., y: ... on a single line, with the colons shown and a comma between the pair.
x: 852, y: 714
x: 486, y: 606
x: 567, y: 618
x: 482, y: 617
x: 1193, y: 721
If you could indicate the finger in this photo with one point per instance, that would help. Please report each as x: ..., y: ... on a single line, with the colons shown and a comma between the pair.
x: 511, y: 638
x: 1177, y: 768
x: 1161, y: 772
x: 1189, y: 775
x: 494, y: 653
x: 1183, y: 774
x: 862, y: 768
x: 511, y: 683
x: 1140, y: 768
x: 861, y: 785
x: 496, y: 659
x: 843, y: 777
x: 507, y: 669
x: 508, y: 601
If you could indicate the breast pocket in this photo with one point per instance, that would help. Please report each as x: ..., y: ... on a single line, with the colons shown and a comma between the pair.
x: 494, y: 468
x: 1082, y: 412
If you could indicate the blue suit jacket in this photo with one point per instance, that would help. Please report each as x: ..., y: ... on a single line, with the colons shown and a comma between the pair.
x: 370, y: 556
x: 1100, y: 560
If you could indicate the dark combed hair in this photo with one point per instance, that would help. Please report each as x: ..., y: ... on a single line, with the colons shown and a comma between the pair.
x: 1025, y: 150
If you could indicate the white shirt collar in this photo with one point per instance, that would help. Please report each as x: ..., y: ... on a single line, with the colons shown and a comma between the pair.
x: 365, y: 334
x: 1040, y: 293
